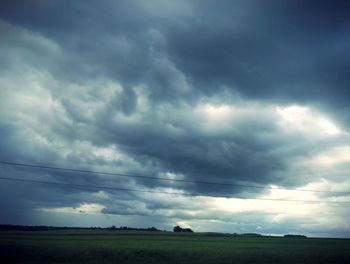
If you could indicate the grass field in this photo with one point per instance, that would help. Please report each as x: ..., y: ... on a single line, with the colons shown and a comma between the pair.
x: 101, y: 246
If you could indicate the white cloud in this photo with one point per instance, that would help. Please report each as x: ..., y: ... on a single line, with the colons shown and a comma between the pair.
x: 304, y: 120
x: 332, y: 157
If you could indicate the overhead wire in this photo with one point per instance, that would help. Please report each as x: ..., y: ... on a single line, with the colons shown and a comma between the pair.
x: 80, y: 186
x: 166, y: 179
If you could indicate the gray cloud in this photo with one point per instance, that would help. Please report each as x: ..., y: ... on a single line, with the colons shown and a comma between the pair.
x: 185, y: 90
x: 272, y: 51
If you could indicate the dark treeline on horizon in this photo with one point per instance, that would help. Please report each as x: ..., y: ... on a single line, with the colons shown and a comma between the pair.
x: 4, y: 227
x: 46, y: 228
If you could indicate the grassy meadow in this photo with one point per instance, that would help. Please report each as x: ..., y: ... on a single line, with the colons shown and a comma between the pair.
x: 105, y: 246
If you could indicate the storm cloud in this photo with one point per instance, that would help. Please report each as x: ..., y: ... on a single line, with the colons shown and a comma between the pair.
x: 233, y: 93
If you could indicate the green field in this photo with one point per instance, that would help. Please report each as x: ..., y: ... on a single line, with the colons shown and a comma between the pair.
x: 101, y: 246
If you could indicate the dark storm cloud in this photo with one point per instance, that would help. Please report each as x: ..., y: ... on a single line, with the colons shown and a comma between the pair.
x: 294, y: 50
x: 202, y: 157
x: 285, y: 50
x: 129, y: 86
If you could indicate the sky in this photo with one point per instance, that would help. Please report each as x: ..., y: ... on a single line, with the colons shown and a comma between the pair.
x: 237, y: 94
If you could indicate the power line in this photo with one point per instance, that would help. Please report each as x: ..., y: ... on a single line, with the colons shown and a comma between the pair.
x: 79, y: 186
x: 165, y: 179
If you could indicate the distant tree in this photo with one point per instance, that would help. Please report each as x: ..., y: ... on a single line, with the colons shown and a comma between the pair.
x: 185, y: 230
x: 295, y: 236
x: 177, y: 229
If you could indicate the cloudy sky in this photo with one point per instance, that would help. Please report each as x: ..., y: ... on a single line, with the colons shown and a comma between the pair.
x: 236, y: 93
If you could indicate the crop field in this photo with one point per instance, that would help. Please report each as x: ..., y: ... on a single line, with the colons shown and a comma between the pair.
x: 102, y: 246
